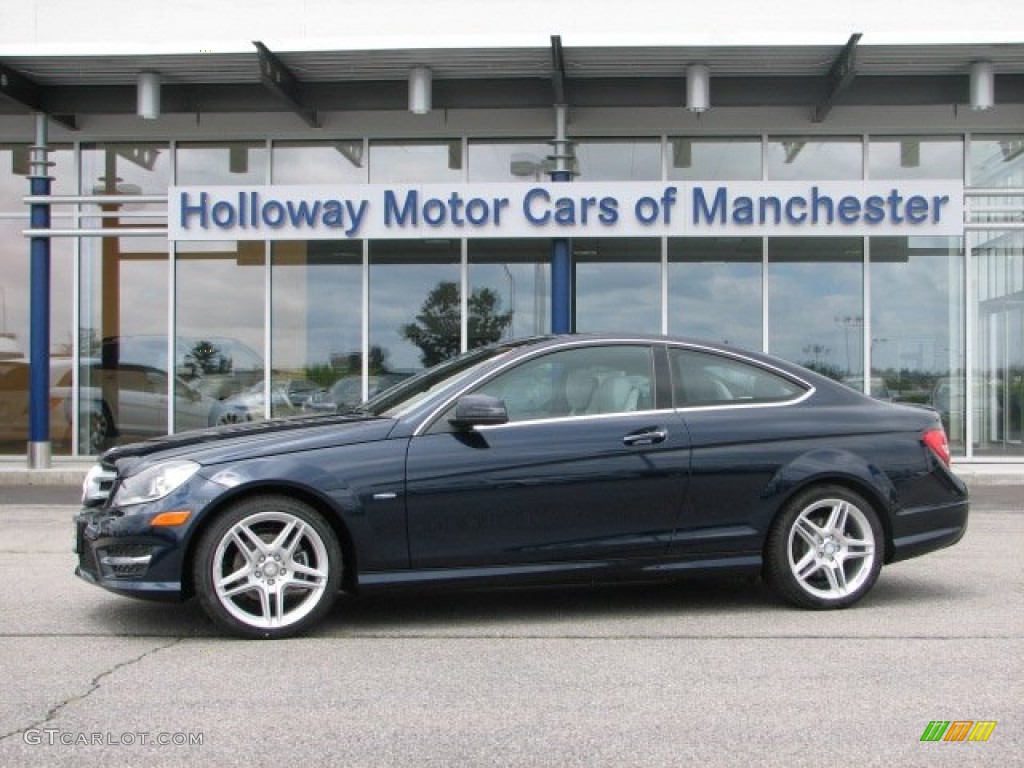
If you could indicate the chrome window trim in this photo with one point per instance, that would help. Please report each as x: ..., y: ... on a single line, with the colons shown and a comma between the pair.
x: 650, y: 342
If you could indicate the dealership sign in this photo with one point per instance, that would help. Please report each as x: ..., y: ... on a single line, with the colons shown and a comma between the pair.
x: 583, y: 209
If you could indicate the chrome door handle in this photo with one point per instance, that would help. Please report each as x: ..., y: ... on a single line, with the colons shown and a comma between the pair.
x: 647, y: 437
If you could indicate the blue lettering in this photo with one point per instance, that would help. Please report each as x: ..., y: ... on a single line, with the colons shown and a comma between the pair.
x: 536, y: 193
x: 187, y: 211
x: 434, y: 212
x: 700, y: 206
x: 609, y: 210
x: 791, y: 204
x: 223, y: 214
x: 355, y: 215
x: 407, y: 213
x: 774, y: 205
x: 647, y: 210
x: 874, y: 209
x: 303, y: 213
x: 743, y: 210
x: 849, y: 210
x: 917, y: 209
x: 819, y: 202
x: 937, y: 203
x: 273, y: 214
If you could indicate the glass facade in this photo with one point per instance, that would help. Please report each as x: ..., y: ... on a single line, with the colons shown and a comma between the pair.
x: 209, y: 333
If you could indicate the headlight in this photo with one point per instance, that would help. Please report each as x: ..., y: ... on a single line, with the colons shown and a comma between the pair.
x: 154, y: 483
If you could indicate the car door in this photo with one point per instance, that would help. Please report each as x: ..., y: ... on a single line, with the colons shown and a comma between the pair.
x: 743, y: 428
x: 588, y: 467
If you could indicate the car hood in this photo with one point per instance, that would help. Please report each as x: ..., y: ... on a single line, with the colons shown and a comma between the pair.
x: 252, y: 440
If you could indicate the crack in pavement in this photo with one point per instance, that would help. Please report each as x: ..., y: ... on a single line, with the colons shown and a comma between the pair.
x: 94, y: 685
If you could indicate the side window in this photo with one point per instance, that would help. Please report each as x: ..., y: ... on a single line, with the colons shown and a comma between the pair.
x: 577, y: 382
x: 703, y: 378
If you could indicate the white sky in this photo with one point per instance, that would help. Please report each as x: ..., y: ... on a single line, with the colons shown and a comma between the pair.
x: 47, y: 27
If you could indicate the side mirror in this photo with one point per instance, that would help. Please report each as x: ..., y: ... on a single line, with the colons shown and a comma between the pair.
x: 479, y: 411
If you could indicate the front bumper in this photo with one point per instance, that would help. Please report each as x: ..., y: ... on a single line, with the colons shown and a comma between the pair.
x: 118, y: 549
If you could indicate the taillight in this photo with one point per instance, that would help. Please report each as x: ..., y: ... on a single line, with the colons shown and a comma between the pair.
x: 936, y: 440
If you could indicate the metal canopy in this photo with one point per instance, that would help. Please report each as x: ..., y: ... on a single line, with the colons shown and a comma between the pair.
x: 473, y: 78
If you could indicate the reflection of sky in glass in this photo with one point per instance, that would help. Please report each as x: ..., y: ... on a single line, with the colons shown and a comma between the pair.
x: 317, y: 303
x: 618, y: 285
x: 411, y: 162
x: 523, y: 289
x: 916, y: 295
x: 339, y: 162
x: 693, y: 159
x: 638, y: 160
x: 221, y: 163
x: 129, y: 165
x: 815, y: 308
x: 915, y: 157
x: 814, y: 159
x: 715, y: 289
x: 997, y: 161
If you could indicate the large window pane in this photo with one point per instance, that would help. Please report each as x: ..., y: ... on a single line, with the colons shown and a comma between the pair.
x: 319, y: 162
x: 317, y: 326
x: 234, y: 162
x: 916, y: 157
x: 510, y: 294
x: 123, y: 340
x: 14, y: 340
x: 917, y: 325
x: 415, y: 304
x: 815, y: 304
x: 415, y: 161
x: 509, y: 161
x: 997, y: 383
x: 814, y: 158
x: 618, y: 159
x: 700, y: 159
x: 618, y: 285
x: 219, y: 341
x: 714, y: 289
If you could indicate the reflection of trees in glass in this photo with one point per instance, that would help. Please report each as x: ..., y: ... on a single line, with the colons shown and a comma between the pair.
x: 437, y: 328
x: 205, y: 357
x: 350, y: 364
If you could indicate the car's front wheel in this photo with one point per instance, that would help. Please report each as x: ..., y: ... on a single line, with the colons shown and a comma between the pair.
x: 825, y: 549
x: 268, y: 567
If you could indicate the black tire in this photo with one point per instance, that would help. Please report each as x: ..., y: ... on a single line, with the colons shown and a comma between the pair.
x: 100, y: 431
x: 267, y: 567
x: 825, y: 549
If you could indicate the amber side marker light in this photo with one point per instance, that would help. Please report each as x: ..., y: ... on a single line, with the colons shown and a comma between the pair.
x: 170, y: 519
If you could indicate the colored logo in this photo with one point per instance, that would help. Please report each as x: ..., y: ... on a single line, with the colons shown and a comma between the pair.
x: 958, y: 730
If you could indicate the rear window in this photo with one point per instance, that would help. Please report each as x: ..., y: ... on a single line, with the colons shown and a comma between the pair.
x: 706, y: 379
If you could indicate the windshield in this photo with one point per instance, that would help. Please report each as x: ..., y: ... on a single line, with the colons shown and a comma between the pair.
x: 402, y: 398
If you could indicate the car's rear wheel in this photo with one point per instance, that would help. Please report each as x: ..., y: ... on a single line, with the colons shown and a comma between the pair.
x: 825, y: 549
x: 268, y: 567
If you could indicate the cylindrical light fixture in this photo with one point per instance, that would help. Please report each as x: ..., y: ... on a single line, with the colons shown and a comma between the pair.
x: 698, y: 88
x: 147, y: 104
x: 420, y: 96
x: 983, y: 85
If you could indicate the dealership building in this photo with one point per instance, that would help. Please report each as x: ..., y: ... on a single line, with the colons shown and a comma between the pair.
x: 276, y: 222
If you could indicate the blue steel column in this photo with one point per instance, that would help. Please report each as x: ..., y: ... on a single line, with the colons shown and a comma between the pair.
x: 561, y: 254
x: 39, y: 313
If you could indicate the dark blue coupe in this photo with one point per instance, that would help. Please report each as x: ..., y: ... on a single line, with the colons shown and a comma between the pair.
x: 562, y: 458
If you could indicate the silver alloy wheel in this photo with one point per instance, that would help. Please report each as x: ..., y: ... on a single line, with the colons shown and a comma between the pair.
x: 831, y: 548
x: 99, y: 430
x: 270, y: 570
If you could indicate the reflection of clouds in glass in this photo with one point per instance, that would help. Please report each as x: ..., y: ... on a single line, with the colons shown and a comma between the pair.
x: 618, y: 297
x: 618, y: 161
x: 493, y: 162
x: 317, y: 313
x: 217, y: 297
x: 318, y: 164
x: 706, y: 159
x: 717, y: 302
x: 214, y: 164
x: 804, y: 302
x: 799, y: 157
x: 411, y: 163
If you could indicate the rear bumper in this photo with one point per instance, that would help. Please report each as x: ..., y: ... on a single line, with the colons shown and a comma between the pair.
x: 926, y: 529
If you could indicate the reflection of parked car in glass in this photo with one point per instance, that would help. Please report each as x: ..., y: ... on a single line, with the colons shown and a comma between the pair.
x: 216, y: 366
x: 286, y: 399
x: 879, y: 390
x: 14, y: 387
x: 347, y: 392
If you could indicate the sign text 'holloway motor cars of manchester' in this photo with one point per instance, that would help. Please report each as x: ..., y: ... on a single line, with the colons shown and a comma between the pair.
x: 538, y: 460
x: 584, y: 209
